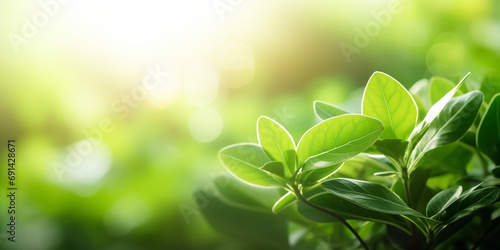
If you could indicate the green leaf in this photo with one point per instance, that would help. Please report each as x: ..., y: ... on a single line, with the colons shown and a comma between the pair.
x: 420, y: 93
x: 369, y: 195
x: 312, y: 176
x: 346, y: 210
x: 277, y: 143
x: 284, y: 202
x: 496, y: 172
x: 276, y: 168
x: 450, y: 125
x: 387, y: 100
x: 336, y: 140
x: 325, y: 110
x: 434, y: 111
x: 488, y: 134
x: 393, y: 149
x: 244, y: 161
x: 490, y: 86
x: 442, y: 200
x: 439, y: 87
x: 469, y: 203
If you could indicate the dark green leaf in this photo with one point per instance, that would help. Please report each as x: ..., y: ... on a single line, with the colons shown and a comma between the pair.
x: 442, y: 200
x: 346, y: 210
x: 434, y: 111
x: 488, y: 135
x: 469, y: 203
x: 450, y: 124
x: 394, y: 149
x: 369, y: 195
x: 490, y: 86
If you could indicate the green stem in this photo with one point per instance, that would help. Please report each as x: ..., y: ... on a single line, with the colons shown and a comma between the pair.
x: 353, y: 231
x: 406, y: 185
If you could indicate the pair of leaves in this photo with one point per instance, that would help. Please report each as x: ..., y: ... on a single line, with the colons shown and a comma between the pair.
x: 320, y: 151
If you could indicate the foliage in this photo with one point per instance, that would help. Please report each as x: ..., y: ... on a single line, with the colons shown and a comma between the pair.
x: 421, y: 191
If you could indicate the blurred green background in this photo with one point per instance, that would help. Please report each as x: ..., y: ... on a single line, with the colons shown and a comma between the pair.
x: 119, y: 108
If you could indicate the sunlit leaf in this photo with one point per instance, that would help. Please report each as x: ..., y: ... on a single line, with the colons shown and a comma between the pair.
x: 387, y: 100
x: 310, y: 177
x: 336, y: 140
x: 488, y: 135
x: 276, y: 142
x: 244, y: 161
x: 285, y: 201
x: 325, y: 110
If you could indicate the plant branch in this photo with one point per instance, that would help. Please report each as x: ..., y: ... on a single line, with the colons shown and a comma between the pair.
x: 353, y: 231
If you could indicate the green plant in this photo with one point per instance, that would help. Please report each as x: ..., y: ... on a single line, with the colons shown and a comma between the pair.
x: 417, y: 139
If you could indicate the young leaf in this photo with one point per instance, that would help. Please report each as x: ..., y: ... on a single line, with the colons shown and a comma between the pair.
x: 312, y: 176
x: 450, y: 125
x: 325, y: 110
x: 244, y: 160
x: 387, y: 100
x: 434, y: 111
x: 438, y: 88
x: 275, y: 168
x: 442, y: 200
x: 488, y: 134
x: 394, y: 149
x: 336, y: 140
x: 276, y: 142
x: 285, y: 201
x: 420, y: 93
x: 369, y: 195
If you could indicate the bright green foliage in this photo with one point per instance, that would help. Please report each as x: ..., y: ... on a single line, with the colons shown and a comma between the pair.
x: 325, y: 110
x: 244, y: 161
x: 387, y: 100
x: 417, y: 173
x: 336, y: 140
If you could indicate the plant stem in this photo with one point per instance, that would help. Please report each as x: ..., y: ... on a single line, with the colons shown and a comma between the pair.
x: 353, y: 231
x: 406, y: 185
